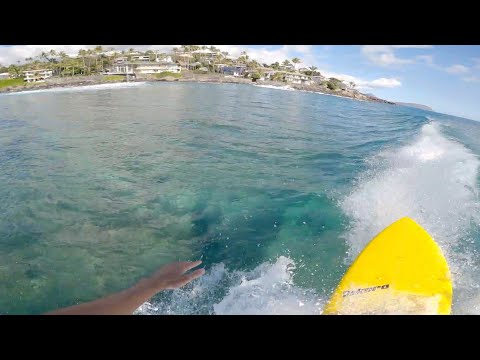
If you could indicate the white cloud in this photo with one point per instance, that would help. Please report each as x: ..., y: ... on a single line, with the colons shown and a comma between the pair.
x: 384, y: 55
x: 428, y: 59
x: 304, y: 49
x: 472, y: 78
x: 362, y: 83
x: 457, y: 69
x: 385, y: 83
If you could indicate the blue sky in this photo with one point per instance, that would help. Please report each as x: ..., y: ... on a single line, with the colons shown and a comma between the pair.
x: 446, y: 78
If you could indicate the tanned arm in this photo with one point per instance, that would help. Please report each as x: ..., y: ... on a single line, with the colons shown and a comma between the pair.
x: 125, y: 302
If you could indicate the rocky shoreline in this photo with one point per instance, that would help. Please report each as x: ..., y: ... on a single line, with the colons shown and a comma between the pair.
x: 79, y: 81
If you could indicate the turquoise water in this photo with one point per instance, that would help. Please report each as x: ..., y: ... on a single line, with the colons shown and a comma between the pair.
x: 276, y: 191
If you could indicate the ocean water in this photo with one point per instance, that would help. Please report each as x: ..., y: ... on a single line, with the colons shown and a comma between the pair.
x: 276, y: 191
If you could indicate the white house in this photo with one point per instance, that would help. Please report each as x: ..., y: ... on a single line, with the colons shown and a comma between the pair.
x: 141, y: 58
x: 121, y: 69
x: 167, y: 59
x: 4, y: 76
x: 37, y: 75
x: 120, y: 60
x: 297, y: 78
x: 157, y: 67
x: 206, y: 53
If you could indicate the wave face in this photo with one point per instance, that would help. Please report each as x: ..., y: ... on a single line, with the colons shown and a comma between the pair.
x: 432, y: 180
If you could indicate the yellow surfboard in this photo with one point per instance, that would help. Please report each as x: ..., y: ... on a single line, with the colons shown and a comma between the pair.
x: 401, y: 271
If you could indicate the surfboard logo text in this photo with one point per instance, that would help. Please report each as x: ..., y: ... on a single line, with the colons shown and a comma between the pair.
x: 364, y: 290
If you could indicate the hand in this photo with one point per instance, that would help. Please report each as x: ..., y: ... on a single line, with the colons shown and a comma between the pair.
x: 173, y: 276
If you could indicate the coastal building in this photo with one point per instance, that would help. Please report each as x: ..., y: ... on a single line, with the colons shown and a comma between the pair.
x: 164, y: 58
x: 4, y: 76
x: 289, y: 67
x: 237, y: 71
x: 207, y: 54
x: 120, y: 60
x: 157, y: 67
x: 219, y: 67
x: 123, y: 68
x: 141, y: 58
x: 297, y: 78
x: 189, y: 65
x: 37, y: 75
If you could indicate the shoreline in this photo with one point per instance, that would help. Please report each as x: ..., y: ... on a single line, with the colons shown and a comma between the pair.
x: 80, y: 81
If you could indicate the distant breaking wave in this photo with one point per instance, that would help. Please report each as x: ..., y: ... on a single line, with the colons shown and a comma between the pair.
x: 121, y: 85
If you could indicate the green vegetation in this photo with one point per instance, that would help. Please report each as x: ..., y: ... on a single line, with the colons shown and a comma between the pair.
x: 11, y: 82
x: 277, y: 77
x: 168, y: 73
x: 334, y: 84
x: 113, y: 78
x: 256, y: 76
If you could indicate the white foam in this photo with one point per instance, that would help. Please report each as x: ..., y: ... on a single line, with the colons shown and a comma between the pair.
x: 268, y: 289
x: 121, y: 85
x: 432, y: 180
x: 285, y: 87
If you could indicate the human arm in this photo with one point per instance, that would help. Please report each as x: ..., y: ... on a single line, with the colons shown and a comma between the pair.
x: 125, y: 302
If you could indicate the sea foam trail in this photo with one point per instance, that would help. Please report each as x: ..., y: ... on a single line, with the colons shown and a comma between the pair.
x: 121, y: 85
x: 268, y: 289
x: 285, y: 87
x: 432, y: 180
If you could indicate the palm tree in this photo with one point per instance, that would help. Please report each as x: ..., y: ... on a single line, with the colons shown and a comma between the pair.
x: 253, y: 64
x: 131, y: 50
x: 312, y: 69
x: 352, y: 85
x: 296, y: 61
x: 175, y: 50
x: 82, y: 53
x: 286, y: 63
x: 97, y: 52
x: 16, y: 70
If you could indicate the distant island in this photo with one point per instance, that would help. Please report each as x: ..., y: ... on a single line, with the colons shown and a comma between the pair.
x: 418, y: 106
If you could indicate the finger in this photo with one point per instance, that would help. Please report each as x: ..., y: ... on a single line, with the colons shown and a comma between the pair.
x: 187, y: 265
x: 192, y: 276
